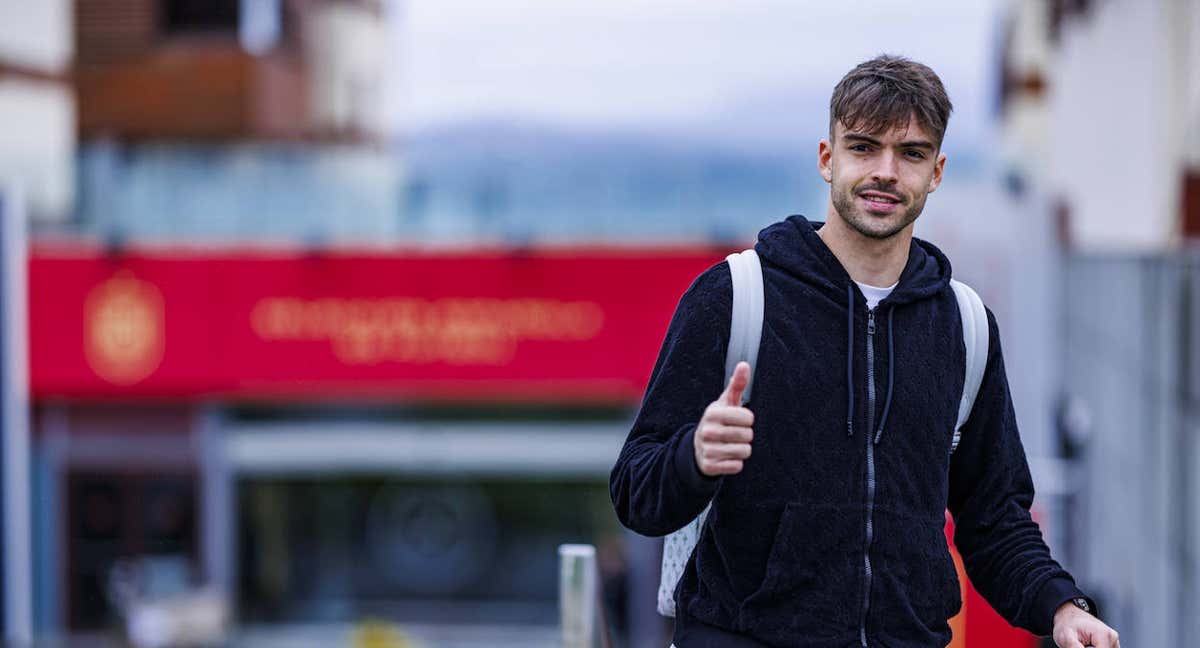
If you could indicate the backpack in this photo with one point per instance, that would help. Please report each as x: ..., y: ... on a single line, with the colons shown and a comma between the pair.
x: 745, y: 335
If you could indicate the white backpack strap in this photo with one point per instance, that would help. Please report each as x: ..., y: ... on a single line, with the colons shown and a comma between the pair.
x: 745, y: 335
x: 745, y: 326
x: 976, y: 340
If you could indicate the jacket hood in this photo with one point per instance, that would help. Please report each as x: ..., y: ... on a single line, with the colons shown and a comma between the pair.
x: 794, y: 246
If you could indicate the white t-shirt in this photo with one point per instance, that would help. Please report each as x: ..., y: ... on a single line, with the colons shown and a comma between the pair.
x: 875, y: 294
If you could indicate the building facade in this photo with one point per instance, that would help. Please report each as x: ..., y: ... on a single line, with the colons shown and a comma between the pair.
x: 1100, y: 120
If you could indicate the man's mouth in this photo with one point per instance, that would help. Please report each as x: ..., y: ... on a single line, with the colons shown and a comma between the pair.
x: 878, y: 201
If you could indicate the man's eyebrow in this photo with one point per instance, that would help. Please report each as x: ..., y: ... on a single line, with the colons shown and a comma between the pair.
x: 861, y: 138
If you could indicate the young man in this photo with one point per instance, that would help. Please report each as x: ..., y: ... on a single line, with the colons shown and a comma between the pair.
x: 829, y: 487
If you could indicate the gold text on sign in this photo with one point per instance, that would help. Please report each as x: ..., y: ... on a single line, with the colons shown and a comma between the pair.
x: 461, y: 331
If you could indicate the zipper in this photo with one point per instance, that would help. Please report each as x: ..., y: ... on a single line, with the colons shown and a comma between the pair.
x: 870, y: 530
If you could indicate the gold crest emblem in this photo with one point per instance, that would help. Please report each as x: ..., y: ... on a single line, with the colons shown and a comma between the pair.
x: 123, y: 329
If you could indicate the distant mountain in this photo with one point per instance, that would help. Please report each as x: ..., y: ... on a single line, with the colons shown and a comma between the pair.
x: 530, y: 181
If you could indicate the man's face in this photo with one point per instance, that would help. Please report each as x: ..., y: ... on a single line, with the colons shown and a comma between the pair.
x: 879, y: 181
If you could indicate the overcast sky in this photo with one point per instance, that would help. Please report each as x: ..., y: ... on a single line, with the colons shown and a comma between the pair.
x: 751, y: 69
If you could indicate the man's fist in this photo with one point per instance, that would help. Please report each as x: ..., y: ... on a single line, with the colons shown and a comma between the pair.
x: 722, y: 439
x: 1074, y: 628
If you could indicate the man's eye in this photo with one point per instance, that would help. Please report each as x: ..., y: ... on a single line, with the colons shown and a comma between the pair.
x: 916, y: 155
x: 861, y: 148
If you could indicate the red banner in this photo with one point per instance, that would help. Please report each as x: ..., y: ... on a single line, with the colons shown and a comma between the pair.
x: 531, y: 326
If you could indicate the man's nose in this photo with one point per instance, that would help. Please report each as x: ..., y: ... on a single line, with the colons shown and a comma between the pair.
x: 886, y: 169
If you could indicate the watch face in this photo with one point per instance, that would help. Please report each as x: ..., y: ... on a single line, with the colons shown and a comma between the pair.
x: 1082, y: 604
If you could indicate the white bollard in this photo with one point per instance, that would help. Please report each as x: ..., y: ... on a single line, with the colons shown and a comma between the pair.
x: 577, y: 594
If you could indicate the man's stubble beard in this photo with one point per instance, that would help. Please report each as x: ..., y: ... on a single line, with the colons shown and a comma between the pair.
x: 843, y: 203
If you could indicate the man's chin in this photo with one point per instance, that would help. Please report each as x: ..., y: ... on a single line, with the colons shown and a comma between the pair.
x: 877, y: 228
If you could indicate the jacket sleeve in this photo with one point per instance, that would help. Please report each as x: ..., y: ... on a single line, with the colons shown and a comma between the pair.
x: 990, y: 494
x: 656, y: 487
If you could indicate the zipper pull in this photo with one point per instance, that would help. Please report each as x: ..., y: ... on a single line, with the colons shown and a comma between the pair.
x: 871, y: 322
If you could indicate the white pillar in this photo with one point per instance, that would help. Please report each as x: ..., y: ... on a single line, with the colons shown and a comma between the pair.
x: 577, y: 594
x: 14, y: 408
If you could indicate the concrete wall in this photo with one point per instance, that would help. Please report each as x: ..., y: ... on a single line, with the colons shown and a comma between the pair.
x: 1119, y: 112
x: 37, y: 105
x: 37, y: 144
x: 37, y: 34
x: 348, y: 58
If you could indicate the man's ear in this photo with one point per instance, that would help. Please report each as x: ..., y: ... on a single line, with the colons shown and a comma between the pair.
x: 825, y: 159
x: 938, y: 168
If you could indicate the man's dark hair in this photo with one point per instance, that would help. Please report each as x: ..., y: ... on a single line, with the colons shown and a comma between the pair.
x: 881, y: 94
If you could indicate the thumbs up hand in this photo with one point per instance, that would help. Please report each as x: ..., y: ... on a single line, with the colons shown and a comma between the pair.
x: 722, y: 439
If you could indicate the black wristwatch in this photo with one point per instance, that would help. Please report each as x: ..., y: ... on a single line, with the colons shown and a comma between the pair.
x: 1083, y: 604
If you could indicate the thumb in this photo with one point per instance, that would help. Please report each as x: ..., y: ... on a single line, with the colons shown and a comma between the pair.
x: 737, y: 385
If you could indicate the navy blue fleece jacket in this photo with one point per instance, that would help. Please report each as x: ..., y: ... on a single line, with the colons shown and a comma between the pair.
x: 832, y: 534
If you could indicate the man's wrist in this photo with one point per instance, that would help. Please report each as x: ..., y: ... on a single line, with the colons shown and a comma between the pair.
x: 1050, y: 599
x: 1074, y: 606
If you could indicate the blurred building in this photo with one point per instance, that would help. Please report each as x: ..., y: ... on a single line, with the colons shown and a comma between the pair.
x: 1101, y: 111
x: 37, y: 106
x: 1100, y: 125
x: 237, y: 387
x: 167, y: 124
x: 229, y: 120
x: 328, y: 436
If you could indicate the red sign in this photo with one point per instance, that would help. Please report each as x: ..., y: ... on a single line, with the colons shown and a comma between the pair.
x: 977, y: 624
x: 533, y: 326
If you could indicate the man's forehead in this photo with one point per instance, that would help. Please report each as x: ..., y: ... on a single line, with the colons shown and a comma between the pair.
x: 910, y: 131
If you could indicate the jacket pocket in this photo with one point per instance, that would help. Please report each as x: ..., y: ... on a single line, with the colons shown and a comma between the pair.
x: 917, y: 582
x: 944, y: 577
x: 935, y: 589
x: 730, y: 559
x: 810, y: 585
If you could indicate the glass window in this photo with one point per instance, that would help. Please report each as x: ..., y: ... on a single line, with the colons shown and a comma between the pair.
x: 182, y: 16
x: 426, y: 551
x: 145, y: 520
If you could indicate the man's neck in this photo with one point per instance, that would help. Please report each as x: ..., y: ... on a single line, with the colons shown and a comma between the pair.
x: 875, y: 262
